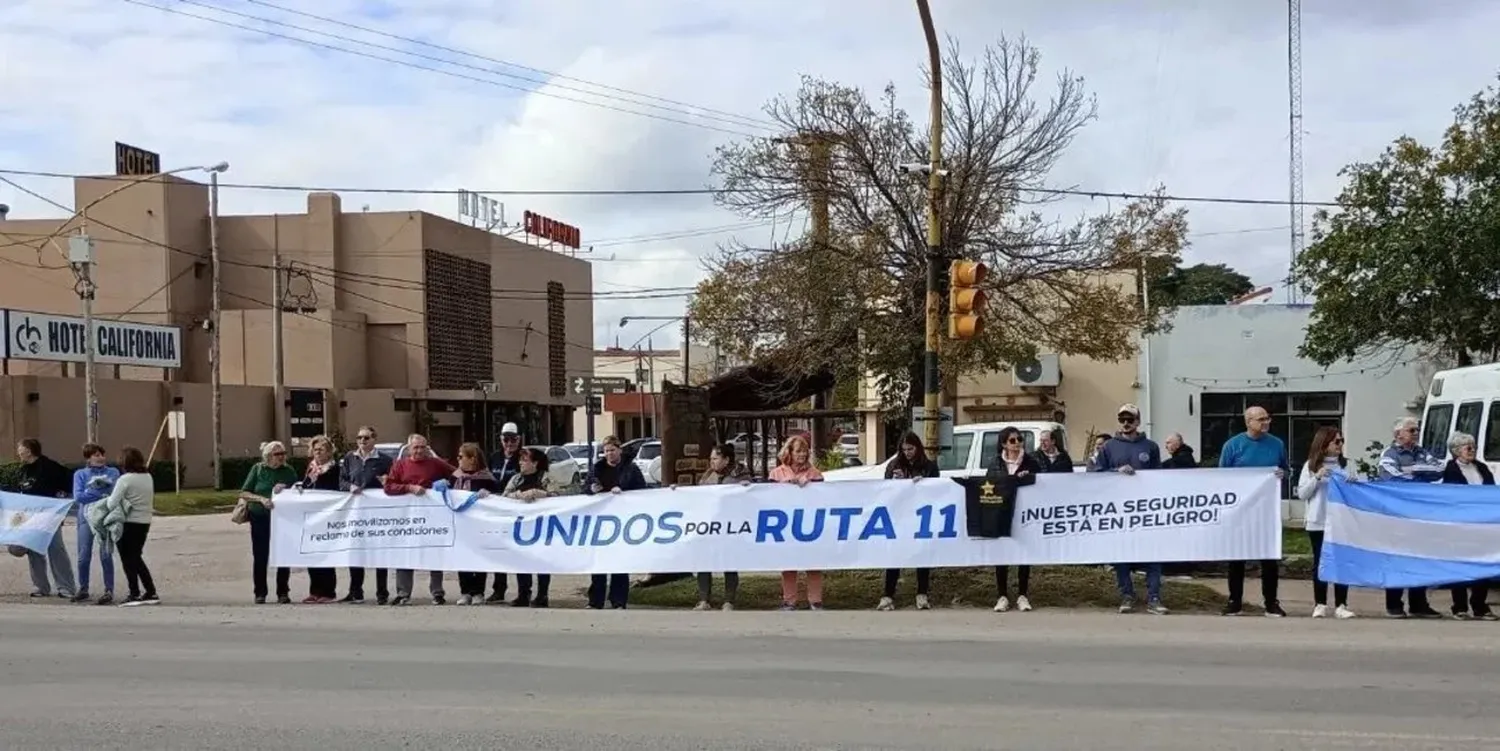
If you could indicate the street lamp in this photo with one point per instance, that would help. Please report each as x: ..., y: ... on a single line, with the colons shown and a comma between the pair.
x: 81, y: 258
x: 687, y: 339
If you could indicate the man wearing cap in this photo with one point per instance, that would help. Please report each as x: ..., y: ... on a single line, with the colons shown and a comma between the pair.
x: 504, y: 464
x: 1127, y: 451
x: 1255, y: 447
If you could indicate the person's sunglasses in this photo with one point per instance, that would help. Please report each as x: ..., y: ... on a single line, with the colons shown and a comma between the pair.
x: 1012, y: 441
x: 365, y: 437
x: 278, y: 453
x: 1127, y: 419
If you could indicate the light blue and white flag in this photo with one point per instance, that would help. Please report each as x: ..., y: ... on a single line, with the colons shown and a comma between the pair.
x: 1410, y: 534
x: 30, y: 521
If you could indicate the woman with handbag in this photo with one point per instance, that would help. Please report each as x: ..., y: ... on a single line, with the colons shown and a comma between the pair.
x: 267, y: 478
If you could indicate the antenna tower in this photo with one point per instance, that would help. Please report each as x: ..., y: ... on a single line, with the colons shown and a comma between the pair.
x: 1294, y: 140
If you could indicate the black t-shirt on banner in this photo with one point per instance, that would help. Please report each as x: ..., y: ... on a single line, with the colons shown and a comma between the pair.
x: 989, y: 505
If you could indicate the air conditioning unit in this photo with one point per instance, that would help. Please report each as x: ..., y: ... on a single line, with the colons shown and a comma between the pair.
x: 1045, y: 370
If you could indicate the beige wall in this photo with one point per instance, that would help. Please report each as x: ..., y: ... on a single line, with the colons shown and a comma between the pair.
x: 1088, y: 396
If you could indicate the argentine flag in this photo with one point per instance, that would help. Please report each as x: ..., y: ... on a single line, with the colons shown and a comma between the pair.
x: 1391, y: 535
x: 30, y: 521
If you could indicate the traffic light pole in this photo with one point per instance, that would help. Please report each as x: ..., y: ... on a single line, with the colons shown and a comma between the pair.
x: 931, y: 380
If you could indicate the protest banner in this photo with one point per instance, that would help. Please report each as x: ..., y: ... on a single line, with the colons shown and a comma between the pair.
x: 1392, y: 535
x: 1188, y: 515
x: 30, y: 521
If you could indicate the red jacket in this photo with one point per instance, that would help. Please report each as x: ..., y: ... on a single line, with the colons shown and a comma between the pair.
x: 409, y: 471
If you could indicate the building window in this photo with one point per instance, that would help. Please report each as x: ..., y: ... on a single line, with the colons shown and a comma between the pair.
x: 459, y: 322
x: 557, y: 341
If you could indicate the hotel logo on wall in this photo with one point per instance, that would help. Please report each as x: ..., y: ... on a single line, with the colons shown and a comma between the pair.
x: 39, y: 336
x: 551, y: 230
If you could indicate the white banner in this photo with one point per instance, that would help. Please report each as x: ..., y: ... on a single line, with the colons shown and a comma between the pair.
x: 1082, y: 518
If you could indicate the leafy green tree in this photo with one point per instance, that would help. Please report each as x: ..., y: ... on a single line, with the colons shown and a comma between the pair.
x: 1200, y: 284
x: 1412, y: 255
x: 852, y: 303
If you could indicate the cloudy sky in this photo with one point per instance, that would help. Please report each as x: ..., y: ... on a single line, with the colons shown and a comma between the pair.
x: 635, y: 95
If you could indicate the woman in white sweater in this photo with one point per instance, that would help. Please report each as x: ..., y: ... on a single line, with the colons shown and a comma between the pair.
x: 1325, y: 460
x: 134, y: 496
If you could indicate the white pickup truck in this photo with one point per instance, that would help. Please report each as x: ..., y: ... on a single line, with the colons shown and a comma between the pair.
x: 974, y: 445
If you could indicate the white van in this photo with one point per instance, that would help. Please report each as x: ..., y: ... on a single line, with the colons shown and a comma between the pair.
x: 1464, y: 400
x: 973, y: 447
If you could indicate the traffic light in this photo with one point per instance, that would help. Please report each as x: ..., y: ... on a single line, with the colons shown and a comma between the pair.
x: 965, y: 299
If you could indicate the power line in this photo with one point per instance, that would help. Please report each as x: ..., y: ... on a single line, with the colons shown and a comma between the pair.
x: 409, y: 64
x: 1095, y: 194
x: 550, y: 78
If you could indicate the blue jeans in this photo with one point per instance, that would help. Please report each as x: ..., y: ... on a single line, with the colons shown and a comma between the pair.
x: 86, y: 555
x: 1127, y: 586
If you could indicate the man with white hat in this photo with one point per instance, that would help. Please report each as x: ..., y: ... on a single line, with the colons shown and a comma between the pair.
x: 504, y: 464
x: 1127, y: 451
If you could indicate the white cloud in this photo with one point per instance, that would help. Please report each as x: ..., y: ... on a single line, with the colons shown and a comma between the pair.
x: 1192, y: 96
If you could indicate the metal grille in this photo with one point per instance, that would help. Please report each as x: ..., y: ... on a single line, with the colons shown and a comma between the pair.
x: 557, y: 341
x: 460, y: 327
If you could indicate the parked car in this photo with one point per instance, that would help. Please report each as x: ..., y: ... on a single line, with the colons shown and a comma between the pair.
x: 582, y: 454
x: 561, y: 467
x: 849, y: 444
x: 648, y: 452
x: 973, y: 446
x: 392, y: 451
x: 630, y: 448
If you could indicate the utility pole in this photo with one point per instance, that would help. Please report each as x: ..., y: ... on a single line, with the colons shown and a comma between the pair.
x: 687, y: 349
x: 278, y: 364
x: 81, y: 256
x: 931, y: 381
x: 214, y: 359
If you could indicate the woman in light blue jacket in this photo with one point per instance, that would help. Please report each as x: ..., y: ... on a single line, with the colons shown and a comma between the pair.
x: 92, y: 483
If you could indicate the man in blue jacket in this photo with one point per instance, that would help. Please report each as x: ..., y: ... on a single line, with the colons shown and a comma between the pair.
x: 1255, y: 447
x: 91, y: 483
x: 1407, y: 460
x: 1127, y: 451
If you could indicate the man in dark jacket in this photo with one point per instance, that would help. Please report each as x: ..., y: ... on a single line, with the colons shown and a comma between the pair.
x: 364, y: 468
x: 41, y: 476
x: 1181, y: 454
x: 613, y: 474
x: 1128, y: 451
x: 504, y: 464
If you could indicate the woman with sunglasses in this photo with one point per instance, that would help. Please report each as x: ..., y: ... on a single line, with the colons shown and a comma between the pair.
x: 267, y: 478
x: 911, y: 463
x: 1325, y: 461
x: 1013, y: 461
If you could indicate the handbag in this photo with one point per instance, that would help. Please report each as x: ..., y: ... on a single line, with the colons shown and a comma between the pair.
x: 241, y: 513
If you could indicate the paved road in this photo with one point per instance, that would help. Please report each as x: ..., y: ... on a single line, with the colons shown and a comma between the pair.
x: 216, y: 677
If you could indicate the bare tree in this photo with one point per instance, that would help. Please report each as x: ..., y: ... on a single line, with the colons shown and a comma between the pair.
x: 851, y: 302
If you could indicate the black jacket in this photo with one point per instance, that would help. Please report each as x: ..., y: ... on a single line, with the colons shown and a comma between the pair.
x: 1452, y: 475
x: 45, y: 477
x: 503, y: 467
x: 625, y: 476
x: 1061, y: 463
x: 331, y: 479
x: 1025, y: 474
x: 362, y: 474
x: 1182, y: 458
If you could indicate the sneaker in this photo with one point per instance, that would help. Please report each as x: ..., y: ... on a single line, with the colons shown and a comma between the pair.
x: 787, y: 607
x: 382, y: 599
x: 1320, y: 611
x: 728, y: 607
x: 521, y: 601
x: 1127, y: 605
x: 1273, y: 610
x: 1002, y: 605
x: 131, y: 601
x: 465, y: 600
x: 886, y: 604
x: 82, y: 596
x: 1463, y: 616
x: 150, y: 599
x: 107, y: 598
x: 283, y: 599
x: 1343, y: 613
x: 1429, y: 613
x: 311, y: 600
x: 1233, y: 607
x: 539, y: 602
x: 495, y: 598
x: 617, y: 606
x: 1023, y: 604
x: 38, y: 593
x: 1488, y: 616
x: 400, y: 601
x: 1395, y: 613
x: 923, y: 603
x: 353, y: 599
x: 814, y: 606
x: 703, y: 606
x: 64, y: 594
x: 260, y: 600
x: 439, y: 600
x: 1155, y: 607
